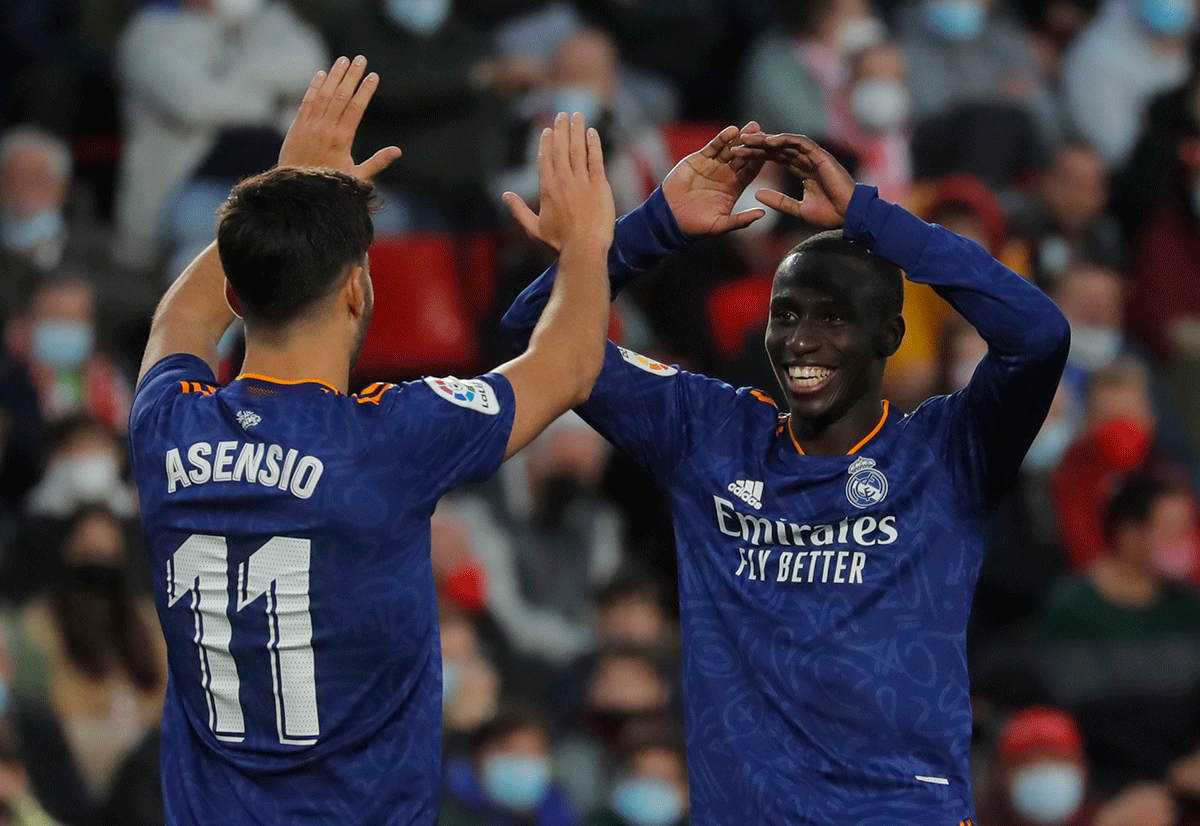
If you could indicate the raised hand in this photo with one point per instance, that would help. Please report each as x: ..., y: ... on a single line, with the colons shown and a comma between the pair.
x: 703, y: 187
x: 576, y: 200
x: 323, y: 131
x: 828, y: 187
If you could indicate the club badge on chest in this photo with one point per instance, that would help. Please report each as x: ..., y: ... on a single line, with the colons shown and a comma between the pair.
x: 867, y: 485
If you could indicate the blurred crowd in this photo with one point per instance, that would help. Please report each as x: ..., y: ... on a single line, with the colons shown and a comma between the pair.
x: 1063, y: 135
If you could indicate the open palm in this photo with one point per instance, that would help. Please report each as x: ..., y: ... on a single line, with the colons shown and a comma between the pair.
x: 703, y: 187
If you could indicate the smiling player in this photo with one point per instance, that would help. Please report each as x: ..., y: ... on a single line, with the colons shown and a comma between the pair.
x: 828, y: 552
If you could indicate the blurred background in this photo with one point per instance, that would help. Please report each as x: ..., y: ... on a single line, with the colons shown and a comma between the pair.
x: 1064, y: 135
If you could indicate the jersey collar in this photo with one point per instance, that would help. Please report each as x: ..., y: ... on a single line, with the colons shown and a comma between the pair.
x: 874, y: 432
x: 269, y: 380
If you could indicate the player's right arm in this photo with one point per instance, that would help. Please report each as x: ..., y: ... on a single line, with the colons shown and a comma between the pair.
x: 566, y: 347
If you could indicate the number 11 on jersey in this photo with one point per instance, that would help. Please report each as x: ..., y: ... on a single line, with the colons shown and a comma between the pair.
x: 277, y: 572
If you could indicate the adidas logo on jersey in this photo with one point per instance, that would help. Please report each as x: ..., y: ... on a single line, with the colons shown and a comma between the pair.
x: 749, y: 492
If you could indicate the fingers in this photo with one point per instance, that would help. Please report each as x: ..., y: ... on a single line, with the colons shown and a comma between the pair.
x: 595, y: 155
x: 718, y: 147
x: 562, y: 143
x: 524, y: 215
x: 310, y: 95
x: 729, y: 223
x: 378, y: 162
x: 577, y: 144
x: 352, y: 116
x: 545, y: 158
x: 329, y: 86
x: 778, y: 201
x: 344, y: 92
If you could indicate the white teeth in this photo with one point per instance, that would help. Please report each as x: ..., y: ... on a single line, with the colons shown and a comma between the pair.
x: 815, y: 374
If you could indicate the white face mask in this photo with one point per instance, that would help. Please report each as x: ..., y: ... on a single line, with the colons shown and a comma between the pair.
x: 1093, y: 348
x: 1047, y: 793
x: 1049, y: 446
x: 237, y: 12
x: 861, y: 34
x: 23, y: 234
x: 421, y: 17
x: 880, y: 105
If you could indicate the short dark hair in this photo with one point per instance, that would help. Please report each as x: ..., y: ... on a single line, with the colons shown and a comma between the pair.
x: 1133, y: 501
x: 629, y: 582
x: 285, y: 236
x: 888, y: 281
x: 511, y: 718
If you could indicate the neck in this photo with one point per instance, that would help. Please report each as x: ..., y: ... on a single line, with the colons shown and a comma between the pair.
x: 840, y: 436
x: 302, y: 356
x: 1123, y: 584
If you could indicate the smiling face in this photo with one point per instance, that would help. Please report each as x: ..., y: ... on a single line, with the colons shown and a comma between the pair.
x: 829, y: 334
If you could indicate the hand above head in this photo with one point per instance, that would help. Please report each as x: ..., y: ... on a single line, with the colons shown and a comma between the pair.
x: 828, y: 187
x: 576, y: 201
x: 323, y: 132
x: 703, y: 188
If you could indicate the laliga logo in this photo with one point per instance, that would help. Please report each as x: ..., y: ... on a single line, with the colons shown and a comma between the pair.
x: 867, y: 486
x: 456, y: 389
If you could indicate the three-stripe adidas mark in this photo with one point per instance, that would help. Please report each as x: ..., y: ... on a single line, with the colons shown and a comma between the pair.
x: 749, y: 492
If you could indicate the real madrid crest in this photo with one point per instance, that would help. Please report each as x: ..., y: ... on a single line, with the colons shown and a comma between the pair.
x: 866, y: 486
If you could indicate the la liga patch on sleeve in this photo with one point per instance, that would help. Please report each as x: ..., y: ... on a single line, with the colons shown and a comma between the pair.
x: 649, y: 365
x: 474, y: 394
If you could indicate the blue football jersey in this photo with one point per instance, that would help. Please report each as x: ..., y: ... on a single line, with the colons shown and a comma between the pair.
x: 824, y: 599
x: 288, y: 526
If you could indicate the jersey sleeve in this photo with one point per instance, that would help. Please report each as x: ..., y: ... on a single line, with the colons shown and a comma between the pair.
x: 169, y: 380
x: 986, y: 428
x: 656, y: 414
x: 453, y: 430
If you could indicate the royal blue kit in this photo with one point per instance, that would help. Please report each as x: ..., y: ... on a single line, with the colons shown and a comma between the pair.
x: 288, y: 527
x: 824, y: 599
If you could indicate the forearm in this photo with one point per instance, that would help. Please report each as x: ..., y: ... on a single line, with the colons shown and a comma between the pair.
x: 193, y: 315
x: 640, y: 240
x: 1012, y: 315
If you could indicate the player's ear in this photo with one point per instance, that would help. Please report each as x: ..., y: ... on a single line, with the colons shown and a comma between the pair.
x: 355, y: 292
x: 892, y: 335
x: 232, y: 300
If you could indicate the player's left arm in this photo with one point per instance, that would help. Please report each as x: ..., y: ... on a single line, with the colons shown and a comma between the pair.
x: 194, y: 314
x: 991, y: 423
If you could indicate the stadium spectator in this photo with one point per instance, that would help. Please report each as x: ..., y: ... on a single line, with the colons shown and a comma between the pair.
x: 1066, y: 219
x: 1120, y: 644
x: 35, y: 178
x: 55, y: 337
x: 629, y: 609
x: 546, y: 539
x: 442, y: 97
x: 1117, y: 437
x: 882, y: 108
x: 208, y: 87
x: 507, y: 778
x: 1132, y: 50
x: 470, y: 682
x: 974, y: 52
x: 460, y: 577
x: 582, y: 76
x: 796, y: 78
x: 652, y: 786
x: 103, y: 650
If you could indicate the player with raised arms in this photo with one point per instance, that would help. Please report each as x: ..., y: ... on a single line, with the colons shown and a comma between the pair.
x: 827, y: 552
x: 288, y: 522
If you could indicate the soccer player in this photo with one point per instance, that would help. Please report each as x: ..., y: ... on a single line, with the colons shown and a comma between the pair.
x: 288, y: 522
x: 828, y: 551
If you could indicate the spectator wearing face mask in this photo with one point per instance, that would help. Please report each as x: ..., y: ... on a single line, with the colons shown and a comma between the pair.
x: 1117, y: 437
x: 582, y: 76
x: 1132, y: 50
x: 103, y: 649
x: 208, y: 86
x: 85, y: 466
x: 55, y: 338
x: 652, y: 785
x: 546, y: 539
x: 470, y: 682
x: 1120, y: 644
x: 882, y: 108
x: 1039, y: 778
x: 796, y: 78
x: 507, y: 779
x: 972, y: 52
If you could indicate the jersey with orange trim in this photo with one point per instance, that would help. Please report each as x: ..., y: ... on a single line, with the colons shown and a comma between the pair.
x: 288, y: 526
x: 824, y: 599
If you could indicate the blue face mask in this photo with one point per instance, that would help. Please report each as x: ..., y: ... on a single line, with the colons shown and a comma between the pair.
x: 421, y: 17
x: 958, y: 20
x: 516, y: 782
x: 1049, y: 446
x: 1169, y: 18
x: 62, y: 345
x: 646, y: 801
x: 572, y: 99
x: 26, y: 233
x: 1047, y: 793
x: 451, y: 678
